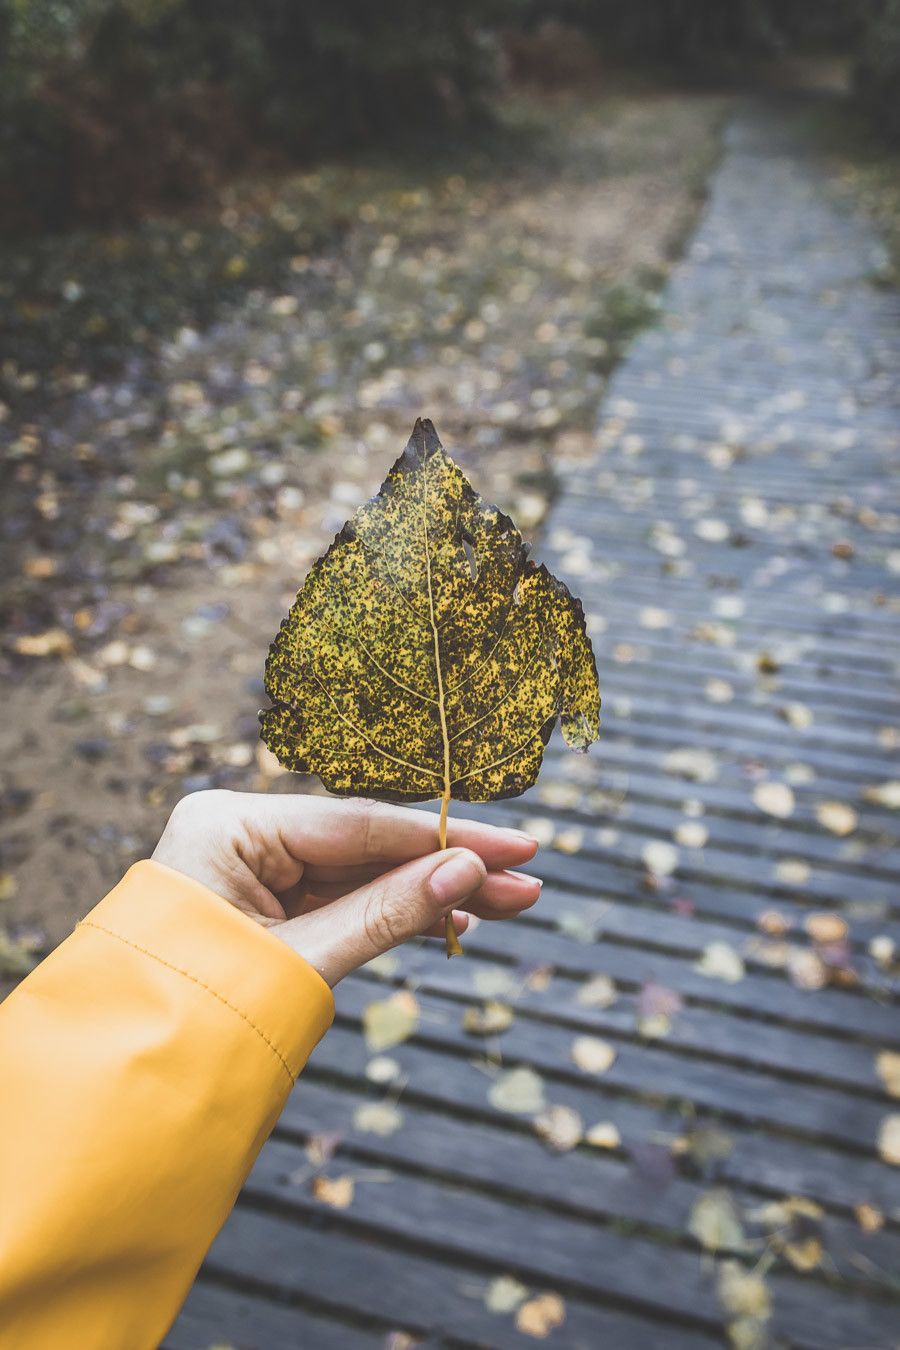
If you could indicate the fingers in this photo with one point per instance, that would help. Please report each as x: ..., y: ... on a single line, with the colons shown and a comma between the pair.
x: 396, y: 906
x: 327, y: 832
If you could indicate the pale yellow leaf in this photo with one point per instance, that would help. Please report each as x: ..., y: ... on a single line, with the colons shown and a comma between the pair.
x: 721, y: 962
x: 742, y: 1292
x: 715, y: 1222
x: 377, y: 1118
x: 837, y: 817
x: 335, y: 1192
x: 889, y: 1140
x: 489, y: 1020
x: 887, y: 1065
x: 776, y: 799
x: 504, y: 1294
x: 884, y: 794
x: 825, y: 927
x: 391, y: 1020
x: 540, y: 1315
x: 560, y: 1127
x: 660, y: 857
x: 603, y: 1135
x: 593, y: 1055
x: 519, y: 1091
x: 597, y: 992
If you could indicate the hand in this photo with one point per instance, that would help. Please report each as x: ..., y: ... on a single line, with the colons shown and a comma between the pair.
x: 343, y: 881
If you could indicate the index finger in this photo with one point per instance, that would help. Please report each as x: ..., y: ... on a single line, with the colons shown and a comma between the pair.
x: 354, y: 830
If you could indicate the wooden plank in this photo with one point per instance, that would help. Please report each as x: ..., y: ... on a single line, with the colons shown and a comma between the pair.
x: 771, y: 1163
x: 217, y: 1316
x: 575, y: 1255
x: 402, y: 1289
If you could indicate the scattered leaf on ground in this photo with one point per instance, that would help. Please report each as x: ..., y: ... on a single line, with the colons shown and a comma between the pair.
x: 504, y: 1294
x: 520, y: 1091
x: 560, y: 1127
x: 336, y: 1192
x: 807, y: 970
x: 825, y: 927
x: 593, y: 1055
x: 776, y: 799
x: 743, y: 1292
x: 377, y: 1118
x: 540, y: 1315
x: 838, y: 817
x: 660, y: 857
x: 887, y: 1065
x: 382, y: 1069
x: 715, y: 1222
x: 489, y: 1020
x: 321, y: 1148
x: 598, y: 992
x: 389, y: 1021
x: 870, y: 1219
x: 603, y: 1135
x: 884, y: 794
x: 721, y: 962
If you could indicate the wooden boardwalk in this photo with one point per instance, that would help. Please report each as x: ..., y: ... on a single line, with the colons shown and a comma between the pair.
x: 734, y: 547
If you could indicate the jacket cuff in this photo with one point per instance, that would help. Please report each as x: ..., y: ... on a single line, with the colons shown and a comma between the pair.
x: 187, y: 927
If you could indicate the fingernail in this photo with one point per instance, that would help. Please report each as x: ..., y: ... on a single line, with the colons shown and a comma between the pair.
x: 522, y: 834
x: 456, y: 878
x: 525, y: 879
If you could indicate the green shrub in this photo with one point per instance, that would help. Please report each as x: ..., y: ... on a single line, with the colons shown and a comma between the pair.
x: 878, y: 71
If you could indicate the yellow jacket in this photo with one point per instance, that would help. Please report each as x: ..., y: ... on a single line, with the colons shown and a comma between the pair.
x: 142, y: 1066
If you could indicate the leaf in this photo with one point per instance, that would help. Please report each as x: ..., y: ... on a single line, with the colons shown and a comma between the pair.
x: 889, y: 1140
x: 336, y: 1193
x: 53, y: 642
x: 825, y: 927
x: 593, y: 1055
x: 887, y: 1064
x: 660, y: 857
x: 870, y: 1219
x: 391, y: 1020
x: 884, y: 794
x: 519, y: 1091
x: 426, y: 655
x: 837, y: 817
x: 377, y: 1118
x: 539, y: 1316
x: 776, y: 799
x: 720, y: 962
x: 715, y: 1222
x: 488, y: 1020
x: 603, y: 1135
x: 597, y: 992
x: 743, y: 1292
x: 504, y: 1294
x: 560, y: 1127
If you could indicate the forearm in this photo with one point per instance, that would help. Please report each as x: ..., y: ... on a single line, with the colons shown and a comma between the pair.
x: 143, y: 1065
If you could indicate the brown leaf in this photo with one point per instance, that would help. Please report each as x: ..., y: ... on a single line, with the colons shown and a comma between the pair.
x: 489, y: 1020
x: 335, y: 1192
x: 541, y: 1315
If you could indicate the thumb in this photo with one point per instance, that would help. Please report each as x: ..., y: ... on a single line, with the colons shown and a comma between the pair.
x: 395, y: 907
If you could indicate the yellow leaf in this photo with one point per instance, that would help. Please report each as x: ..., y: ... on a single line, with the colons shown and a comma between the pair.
x: 53, y: 642
x: 660, y: 857
x: 539, y: 1316
x: 597, y: 992
x: 870, y: 1219
x: 887, y: 1064
x: 603, y: 1135
x: 504, y: 1294
x: 837, y: 817
x: 593, y: 1055
x: 720, y: 962
x: 776, y: 799
x: 488, y: 1020
x: 884, y: 794
x: 742, y: 1292
x: 825, y: 927
x: 560, y: 1128
x: 377, y: 1118
x: 337, y: 1193
x: 426, y: 655
x: 519, y: 1091
x: 715, y: 1222
x: 889, y: 1140
x: 391, y: 1020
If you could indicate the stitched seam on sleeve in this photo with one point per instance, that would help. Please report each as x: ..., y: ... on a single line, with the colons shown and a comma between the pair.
x: 145, y: 951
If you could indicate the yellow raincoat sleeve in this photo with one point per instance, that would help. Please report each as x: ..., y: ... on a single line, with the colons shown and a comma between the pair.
x: 142, y: 1066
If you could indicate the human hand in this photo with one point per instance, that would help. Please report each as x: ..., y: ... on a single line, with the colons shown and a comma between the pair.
x: 341, y: 881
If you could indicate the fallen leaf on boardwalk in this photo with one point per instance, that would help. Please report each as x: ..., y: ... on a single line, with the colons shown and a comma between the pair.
x: 598, y: 992
x: 391, y: 1020
x: 794, y: 1226
x: 400, y: 1340
x: 719, y: 691
x: 721, y: 962
x: 569, y: 841
x: 792, y: 871
x: 825, y: 927
x: 691, y: 834
x: 870, y: 1219
x: 699, y: 765
x: 377, y: 1118
x: 488, y: 1020
x: 426, y: 655
x: 504, y: 1294
x: 887, y: 1065
x: 580, y: 927
x: 837, y: 817
x: 321, y: 1148
x: 776, y: 799
x: 715, y: 1222
x: 520, y: 1091
x: 796, y: 715
x: 539, y: 1316
x: 593, y: 1055
x: 54, y: 642
x: 382, y: 1069
x: 883, y: 950
x: 889, y: 1140
x: 885, y: 794
x: 743, y: 1292
x: 541, y: 828
x: 492, y: 982
x: 773, y: 922
x: 659, y: 857
x: 603, y: 1135
x: 807, y: 970
x: 656, y: 1006
x: 337, y: 1193
x: 560, y: 1127
x: 539, y: 978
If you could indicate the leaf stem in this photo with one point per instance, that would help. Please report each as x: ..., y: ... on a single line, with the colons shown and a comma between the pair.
x: 453, y: 944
